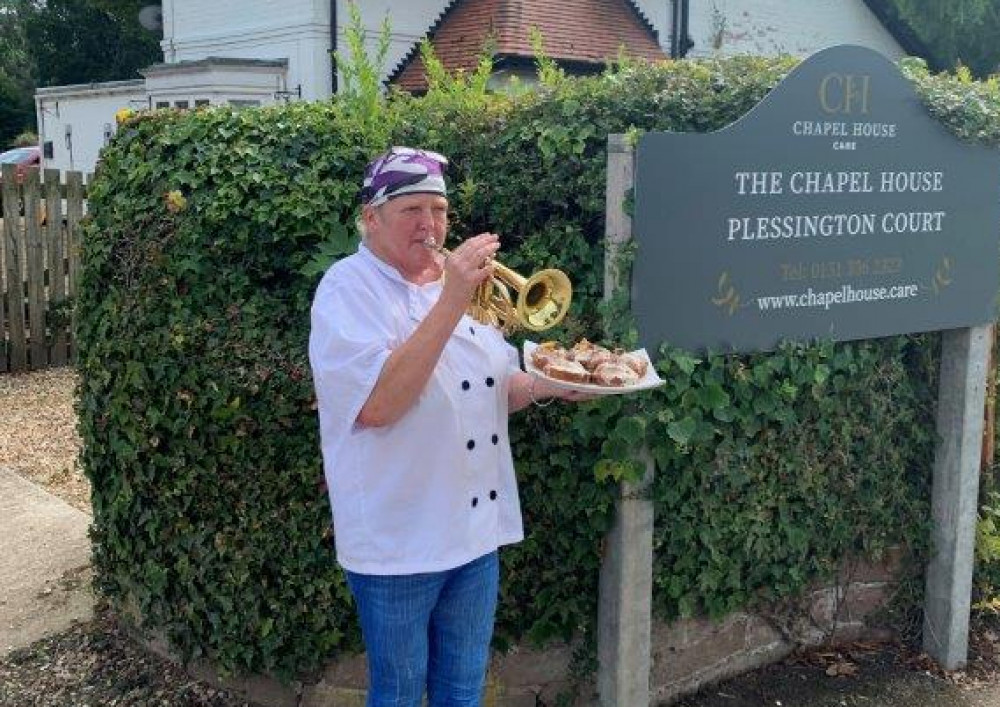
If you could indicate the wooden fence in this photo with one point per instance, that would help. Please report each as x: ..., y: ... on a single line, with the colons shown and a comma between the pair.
x: 39, y: 258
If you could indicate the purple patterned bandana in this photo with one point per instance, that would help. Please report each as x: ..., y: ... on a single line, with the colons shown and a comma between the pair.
x: 403, y: 170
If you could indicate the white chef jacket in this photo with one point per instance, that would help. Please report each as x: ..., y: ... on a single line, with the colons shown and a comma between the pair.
x: 436, y: 489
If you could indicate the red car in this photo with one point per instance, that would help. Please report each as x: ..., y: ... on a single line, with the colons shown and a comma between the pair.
x: 24, y: 158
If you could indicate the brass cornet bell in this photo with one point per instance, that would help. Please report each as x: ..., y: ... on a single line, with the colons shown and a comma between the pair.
x: 541, y: 301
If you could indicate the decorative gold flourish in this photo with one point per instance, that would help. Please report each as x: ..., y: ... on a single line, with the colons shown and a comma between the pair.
x: 942, y: 276
x: 729, y: 298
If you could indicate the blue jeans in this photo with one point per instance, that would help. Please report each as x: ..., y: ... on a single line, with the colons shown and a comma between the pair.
x: 430, y: 631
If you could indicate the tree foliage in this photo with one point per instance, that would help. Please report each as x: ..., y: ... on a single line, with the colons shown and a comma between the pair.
x: 79, y: 41
x: 64, y: 42
x: 956, y: 32
x: 16, y: 111
x: 16, y: 73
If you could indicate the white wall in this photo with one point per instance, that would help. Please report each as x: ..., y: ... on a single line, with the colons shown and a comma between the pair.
x: 296, y: 30
x: 796, y: 27
x: 214, y: 81
x: 85, y: 113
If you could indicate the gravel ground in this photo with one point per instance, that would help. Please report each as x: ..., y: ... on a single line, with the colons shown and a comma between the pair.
x: 42, y: 444
x: 98, y: 663
x: 868, y: 675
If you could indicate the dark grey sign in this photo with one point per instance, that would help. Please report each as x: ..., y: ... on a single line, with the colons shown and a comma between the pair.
x: 836, y: 209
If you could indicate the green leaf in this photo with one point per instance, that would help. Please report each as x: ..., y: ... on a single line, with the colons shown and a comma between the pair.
x: 631, y: 430
x: 686, y: 363
x: 681, y: 431
x: 713, y: 396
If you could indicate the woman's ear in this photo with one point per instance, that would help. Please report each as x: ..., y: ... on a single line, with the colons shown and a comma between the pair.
x: 369, y: 217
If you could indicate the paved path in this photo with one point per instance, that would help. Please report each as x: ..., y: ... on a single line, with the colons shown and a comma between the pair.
x: 44, y: 563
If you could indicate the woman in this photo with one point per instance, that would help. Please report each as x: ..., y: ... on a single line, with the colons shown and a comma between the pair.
x: 413, y: 403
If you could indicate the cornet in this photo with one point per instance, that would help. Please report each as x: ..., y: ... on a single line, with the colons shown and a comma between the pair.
x: 542, y: 299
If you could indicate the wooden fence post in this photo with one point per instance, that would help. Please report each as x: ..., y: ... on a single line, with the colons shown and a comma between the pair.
x: 39, y: 266
x: 35, y: 262
x: 74, y: 215
x: 55, y: 263
x: 13, y: 270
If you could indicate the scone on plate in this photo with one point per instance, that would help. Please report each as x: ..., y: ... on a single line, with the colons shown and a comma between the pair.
x: 614, y: 374
x: 566, y: 370
x: 587, y: 362
x: 636, y: 361
x: 589, y: 355
x: 546, y: 353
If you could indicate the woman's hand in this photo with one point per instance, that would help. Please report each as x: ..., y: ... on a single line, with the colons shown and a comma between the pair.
x: 526, y: 389
x: 544, y: 389
x: 408, y: 368
x: 576, y: 396
x: 467, y: 267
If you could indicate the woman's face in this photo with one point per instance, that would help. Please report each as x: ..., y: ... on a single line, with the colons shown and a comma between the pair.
x: 399, y: 229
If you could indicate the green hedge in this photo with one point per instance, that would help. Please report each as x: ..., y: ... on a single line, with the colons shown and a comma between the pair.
x: 198, y: 417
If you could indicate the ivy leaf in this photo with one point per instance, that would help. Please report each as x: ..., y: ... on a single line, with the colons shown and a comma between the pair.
x: 340, y: 243
x: 684, y: 362
x: 632, y: 430
x: 713, y: 397
x: 681, y: 431
x: 607, y: 469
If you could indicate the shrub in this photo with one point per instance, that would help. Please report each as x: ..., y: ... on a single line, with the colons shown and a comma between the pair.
x: 207, y: 234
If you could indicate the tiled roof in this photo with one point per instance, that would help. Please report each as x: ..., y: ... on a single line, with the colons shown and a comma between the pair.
x: 576, y: 31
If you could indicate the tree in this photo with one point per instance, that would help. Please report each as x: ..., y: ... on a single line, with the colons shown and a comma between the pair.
x: 81, y: 41
x: 57, y: 42
x: 17, y: 82
x: 16, y: 111
x: 956, y: 31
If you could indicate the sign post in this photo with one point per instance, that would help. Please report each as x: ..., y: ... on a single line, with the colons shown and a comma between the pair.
x: 624, y: 613
x: 837, y: 209
x: 965, y: 355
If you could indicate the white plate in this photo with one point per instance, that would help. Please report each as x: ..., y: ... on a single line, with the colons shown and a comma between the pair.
x: 650, y: 380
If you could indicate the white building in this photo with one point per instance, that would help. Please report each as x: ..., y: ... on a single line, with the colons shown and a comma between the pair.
x: 256, y: 52
x: 75, y: 122
x: 770, y: 27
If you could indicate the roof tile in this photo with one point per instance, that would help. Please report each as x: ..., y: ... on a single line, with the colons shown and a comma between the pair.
x: 589, y: 31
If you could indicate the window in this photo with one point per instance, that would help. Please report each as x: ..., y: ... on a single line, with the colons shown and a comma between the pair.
x: 180, y: 104
x: 163, y: 104
x: 201, y: 102
x: 243, y: 103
